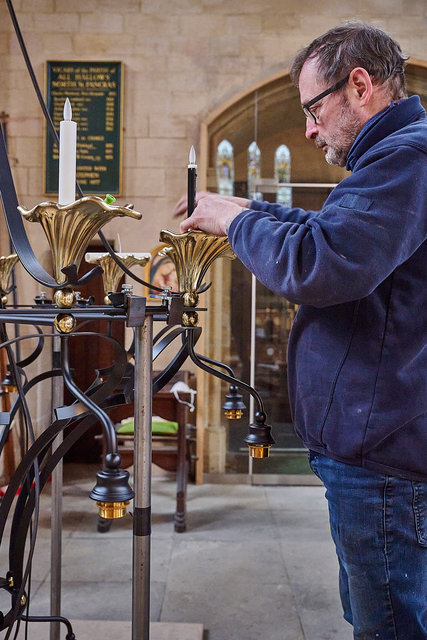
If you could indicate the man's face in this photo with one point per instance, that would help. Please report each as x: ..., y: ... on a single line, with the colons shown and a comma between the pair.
x: 337, y: 123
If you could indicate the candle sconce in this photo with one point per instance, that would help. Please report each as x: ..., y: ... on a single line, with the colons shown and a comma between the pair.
x: 259, y: 438
x: 112, y: 273
x: 8, y: 385
x: 233, y: 406
x: 192, y: 254
x: 70, y: 228
x: 6, y: 267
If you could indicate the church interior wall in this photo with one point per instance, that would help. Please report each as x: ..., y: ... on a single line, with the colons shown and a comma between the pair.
x: 182, y: 60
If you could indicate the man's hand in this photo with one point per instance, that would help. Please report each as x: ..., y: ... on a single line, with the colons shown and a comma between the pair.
x: 182, y: 205
x: 212, y: 214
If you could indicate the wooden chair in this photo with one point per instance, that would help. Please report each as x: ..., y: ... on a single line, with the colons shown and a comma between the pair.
x: 170, y: 452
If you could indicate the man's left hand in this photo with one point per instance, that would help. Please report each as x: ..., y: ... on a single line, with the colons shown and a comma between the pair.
x: 213, y: 214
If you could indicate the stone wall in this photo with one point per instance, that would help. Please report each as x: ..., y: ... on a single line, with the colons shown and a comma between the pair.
x: 182, y: 60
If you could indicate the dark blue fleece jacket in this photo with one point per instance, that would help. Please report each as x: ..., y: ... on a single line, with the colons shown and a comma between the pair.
x: 357, y: 360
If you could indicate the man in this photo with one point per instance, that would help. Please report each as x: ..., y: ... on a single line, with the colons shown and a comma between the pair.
x: 357, y: 355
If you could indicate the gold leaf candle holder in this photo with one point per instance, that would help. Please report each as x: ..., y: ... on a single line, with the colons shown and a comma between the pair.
x: 112, y: 271
x: 70, y: 228
x: 192, y: 253
x: 6, y: 267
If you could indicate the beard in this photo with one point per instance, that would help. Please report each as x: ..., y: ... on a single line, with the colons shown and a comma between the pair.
x: 346, y: 129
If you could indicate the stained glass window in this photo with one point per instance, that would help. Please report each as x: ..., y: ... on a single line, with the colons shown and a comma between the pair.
x: 282, y: 174
x: 225, y: 168
x: 254, y: 171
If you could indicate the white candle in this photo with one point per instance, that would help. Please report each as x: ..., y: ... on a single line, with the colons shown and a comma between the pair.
x: 67, y: 157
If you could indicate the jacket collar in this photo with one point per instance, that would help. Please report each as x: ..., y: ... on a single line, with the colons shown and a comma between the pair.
x: 382, y: 124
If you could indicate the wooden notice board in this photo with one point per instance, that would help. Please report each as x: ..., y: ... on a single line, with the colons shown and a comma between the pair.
x: 95, y: 93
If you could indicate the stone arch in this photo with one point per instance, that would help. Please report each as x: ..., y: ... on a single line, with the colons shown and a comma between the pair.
x: 278, y: 111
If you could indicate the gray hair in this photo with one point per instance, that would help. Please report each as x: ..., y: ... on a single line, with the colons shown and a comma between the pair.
x: 355, y: 44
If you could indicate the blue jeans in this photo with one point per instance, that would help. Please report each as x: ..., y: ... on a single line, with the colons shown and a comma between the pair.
x: 379, y: 526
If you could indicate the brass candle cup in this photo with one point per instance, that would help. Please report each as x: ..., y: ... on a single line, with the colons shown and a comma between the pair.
x: 112, y: 271
x: 70, y: 228
x: 192, y: 253
x: 6, y: 267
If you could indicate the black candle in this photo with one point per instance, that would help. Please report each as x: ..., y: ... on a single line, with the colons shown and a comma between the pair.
x: 192, y: 175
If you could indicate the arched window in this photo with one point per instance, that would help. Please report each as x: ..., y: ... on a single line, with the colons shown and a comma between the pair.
x: 225, y: 168
x: 254, y: 171
x: 282, y: 174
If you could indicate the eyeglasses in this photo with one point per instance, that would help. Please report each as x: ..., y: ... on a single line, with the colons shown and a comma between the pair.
x: 310, y: 103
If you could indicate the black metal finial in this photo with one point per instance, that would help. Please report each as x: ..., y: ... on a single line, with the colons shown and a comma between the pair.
x: 233, y: 405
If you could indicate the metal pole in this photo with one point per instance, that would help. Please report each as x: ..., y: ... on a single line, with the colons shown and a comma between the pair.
x: 56, y: 502
x: 142, y: 481
x: 252, y: 362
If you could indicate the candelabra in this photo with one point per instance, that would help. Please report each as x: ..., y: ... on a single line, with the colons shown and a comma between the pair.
x: 69, y: 229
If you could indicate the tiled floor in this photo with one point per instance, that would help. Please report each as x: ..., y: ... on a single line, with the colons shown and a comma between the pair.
x: 256, y: 562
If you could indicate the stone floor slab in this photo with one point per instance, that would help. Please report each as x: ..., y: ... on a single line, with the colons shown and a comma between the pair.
x: 113, y: 630
x: 252, y: 597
